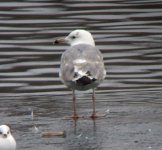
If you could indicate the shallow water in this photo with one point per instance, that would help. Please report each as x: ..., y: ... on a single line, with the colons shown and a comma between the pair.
x: 128, y: 33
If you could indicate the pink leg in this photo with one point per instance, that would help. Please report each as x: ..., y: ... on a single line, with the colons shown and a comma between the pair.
x: 93, y: 116
x: 75, y: 116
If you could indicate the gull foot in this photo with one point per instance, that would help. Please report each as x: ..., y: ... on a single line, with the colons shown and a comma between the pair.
x: 93, y: 116
x: 74, y: 117
x: 98, y: 115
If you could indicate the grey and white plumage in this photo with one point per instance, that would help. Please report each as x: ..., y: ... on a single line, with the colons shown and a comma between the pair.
x: 82, y: 65
x: 7, y: 141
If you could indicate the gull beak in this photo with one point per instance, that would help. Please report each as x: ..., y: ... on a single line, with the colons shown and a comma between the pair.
x: 60, y: 41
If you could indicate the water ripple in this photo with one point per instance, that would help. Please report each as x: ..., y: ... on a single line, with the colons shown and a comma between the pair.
x: 127, y: 32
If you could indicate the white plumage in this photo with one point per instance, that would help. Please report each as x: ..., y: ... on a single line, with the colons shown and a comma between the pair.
x: 7, y: 141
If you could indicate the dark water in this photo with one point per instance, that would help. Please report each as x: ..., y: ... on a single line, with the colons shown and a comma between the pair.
x: 129, y: 34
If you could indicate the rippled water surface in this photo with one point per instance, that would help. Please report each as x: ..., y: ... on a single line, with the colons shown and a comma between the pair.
x: 128, y: 33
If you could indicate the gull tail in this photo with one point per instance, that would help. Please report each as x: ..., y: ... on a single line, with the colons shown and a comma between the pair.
x: 85, y: 80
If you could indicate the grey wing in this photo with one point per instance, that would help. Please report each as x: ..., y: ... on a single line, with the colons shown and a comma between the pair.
x: 82, y: 59
x: 66, y: 70
x: 94, y: 62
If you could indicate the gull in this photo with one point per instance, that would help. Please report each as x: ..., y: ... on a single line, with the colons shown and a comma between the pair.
x: 82, y: 67
x: 7, y: 141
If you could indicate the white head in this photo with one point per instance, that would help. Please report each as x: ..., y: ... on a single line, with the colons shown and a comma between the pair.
x: 4, y: 131
x: 78, y: 37
x: 7, y: 141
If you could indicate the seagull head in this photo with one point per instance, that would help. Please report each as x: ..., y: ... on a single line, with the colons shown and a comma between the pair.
x: 77, y: 37
x: 4, y: 131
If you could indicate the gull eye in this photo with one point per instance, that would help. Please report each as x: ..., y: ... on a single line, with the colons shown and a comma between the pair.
x: 73, y: 37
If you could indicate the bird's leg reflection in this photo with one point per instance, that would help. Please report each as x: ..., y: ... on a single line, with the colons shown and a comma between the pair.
x: 75, y: 125
x: 94, y: 124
